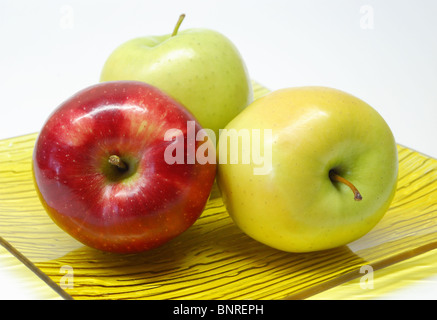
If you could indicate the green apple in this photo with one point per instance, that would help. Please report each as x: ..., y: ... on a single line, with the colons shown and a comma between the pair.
x: 200, y: 68
x: 331, y: 172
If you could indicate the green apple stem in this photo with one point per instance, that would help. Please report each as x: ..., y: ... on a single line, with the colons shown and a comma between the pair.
x: 335, y: 177
x: 116, y: 161
x: 178, y: 24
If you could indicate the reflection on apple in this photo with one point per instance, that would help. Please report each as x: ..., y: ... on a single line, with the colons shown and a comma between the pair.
x: 100, y: 171
x: 333, y: 173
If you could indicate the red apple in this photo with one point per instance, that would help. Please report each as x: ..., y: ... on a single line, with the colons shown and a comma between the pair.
x: 101, y: 174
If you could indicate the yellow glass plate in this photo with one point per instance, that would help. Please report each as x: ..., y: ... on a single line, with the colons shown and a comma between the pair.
x: 213, y: 259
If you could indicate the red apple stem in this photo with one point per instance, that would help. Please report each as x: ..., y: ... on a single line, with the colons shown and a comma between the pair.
x: 178, y: 24
x: 116, y: 161
x: 335, y: 177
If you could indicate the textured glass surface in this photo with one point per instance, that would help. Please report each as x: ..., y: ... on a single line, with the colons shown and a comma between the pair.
x: 22, y: 282
x: 213, y: 259
x: 407, y: 279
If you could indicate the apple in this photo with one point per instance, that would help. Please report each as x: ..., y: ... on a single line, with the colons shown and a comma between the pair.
x: 200, y: 68
x: 332, y: 174
x: 100, y: 170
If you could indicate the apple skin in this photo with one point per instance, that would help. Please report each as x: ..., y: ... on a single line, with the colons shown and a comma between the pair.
x: 92, y: 200
x: 296, y: 207
x: 200, y: 68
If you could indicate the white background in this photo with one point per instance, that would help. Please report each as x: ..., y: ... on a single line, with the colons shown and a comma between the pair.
x: 384, y: 52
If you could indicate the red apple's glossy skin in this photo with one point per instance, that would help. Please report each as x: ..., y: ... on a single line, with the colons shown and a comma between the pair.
x: 154, y: 203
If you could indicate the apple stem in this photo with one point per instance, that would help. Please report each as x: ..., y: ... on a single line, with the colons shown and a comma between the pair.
x: 335, y: 177
x: 116, y: 161
x: 178, y: 24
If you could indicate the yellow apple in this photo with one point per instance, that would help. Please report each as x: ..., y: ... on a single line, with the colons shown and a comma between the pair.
x: 332, y: 173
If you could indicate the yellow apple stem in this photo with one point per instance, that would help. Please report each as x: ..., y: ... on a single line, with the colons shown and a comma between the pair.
x: 178, y: 24
x: 116, y: 161
x: 335, y: 177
